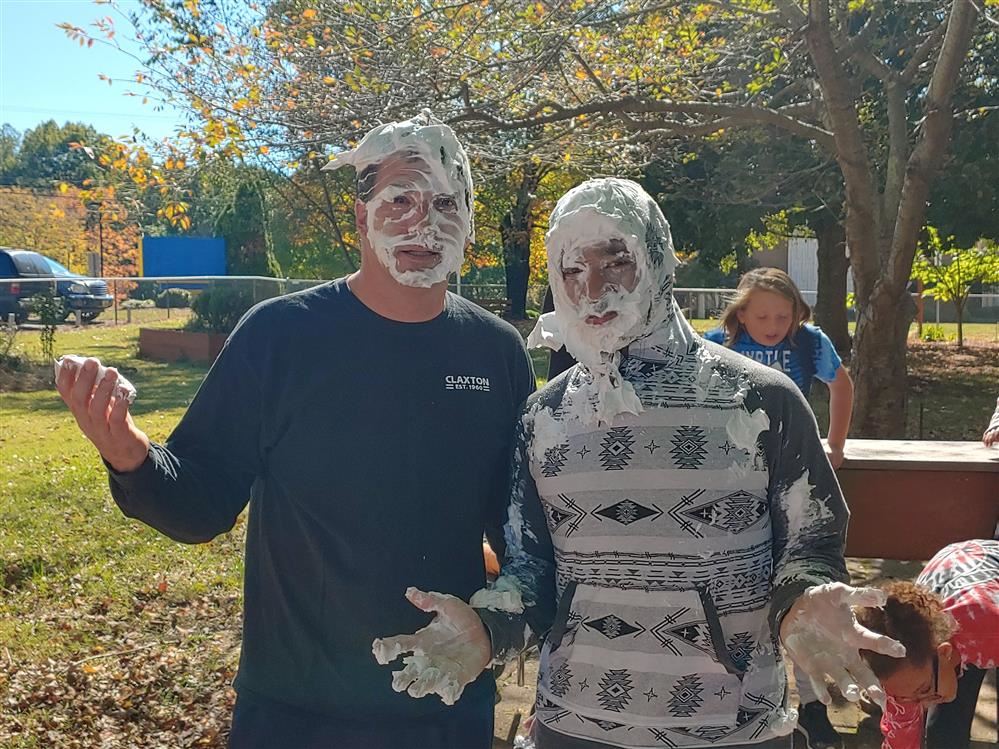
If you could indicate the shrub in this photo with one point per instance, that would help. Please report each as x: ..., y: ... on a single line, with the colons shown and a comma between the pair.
x: 934, y: 333
x: 173, y: 298
x: 145, y: 290
x: 8, y: 334
x: 218, y: 310
x: 51, y: 311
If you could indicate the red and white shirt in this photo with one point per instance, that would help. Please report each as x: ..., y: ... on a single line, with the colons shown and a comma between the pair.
x: 966, y: 576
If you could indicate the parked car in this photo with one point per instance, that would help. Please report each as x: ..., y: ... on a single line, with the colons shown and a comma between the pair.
x: 75, y: 292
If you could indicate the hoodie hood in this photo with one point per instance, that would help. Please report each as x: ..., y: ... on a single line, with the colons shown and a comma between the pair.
x: 647, y: 316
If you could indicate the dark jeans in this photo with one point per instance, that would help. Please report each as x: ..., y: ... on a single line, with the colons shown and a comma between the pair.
x: 262, y: 724
x: 948, y: 726
x: 545, y: 738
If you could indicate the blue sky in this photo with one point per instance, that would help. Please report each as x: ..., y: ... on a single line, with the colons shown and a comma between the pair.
x: 44, y: 75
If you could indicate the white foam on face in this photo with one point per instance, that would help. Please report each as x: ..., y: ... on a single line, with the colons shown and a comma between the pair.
x: 594, y: 214
x: 438, y: 186
x: 744, y: 428
x: 503, y: 595
x: 433, y: 219
x: 589, y: 217
x: 574, y: 232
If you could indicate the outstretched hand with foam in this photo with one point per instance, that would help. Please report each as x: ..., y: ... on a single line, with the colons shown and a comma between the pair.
x: 823, y: 637
x: 447, y: 654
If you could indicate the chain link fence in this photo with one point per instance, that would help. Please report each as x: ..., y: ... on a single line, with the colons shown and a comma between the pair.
x: 122, y: 301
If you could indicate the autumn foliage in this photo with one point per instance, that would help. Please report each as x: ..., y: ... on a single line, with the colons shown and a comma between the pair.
x: 63, y: 227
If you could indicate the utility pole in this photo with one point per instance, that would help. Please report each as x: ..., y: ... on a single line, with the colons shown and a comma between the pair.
x: 100, y: 237
x: 97, y: 207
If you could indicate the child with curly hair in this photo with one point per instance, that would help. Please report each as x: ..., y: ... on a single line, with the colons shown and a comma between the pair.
x: 948, y: 621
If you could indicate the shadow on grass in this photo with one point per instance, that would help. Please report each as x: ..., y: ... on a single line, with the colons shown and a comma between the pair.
x: 16, y: 573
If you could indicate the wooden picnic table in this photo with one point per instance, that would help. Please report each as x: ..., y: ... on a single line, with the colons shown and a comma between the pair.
x: 908, y: 499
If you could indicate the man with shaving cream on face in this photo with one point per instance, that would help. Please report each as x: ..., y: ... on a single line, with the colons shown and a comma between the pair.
x: 368, y: 421
x: 674, y: 523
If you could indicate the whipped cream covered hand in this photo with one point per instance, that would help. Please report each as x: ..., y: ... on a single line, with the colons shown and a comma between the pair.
x: 822, y: 636
x: 447, y: 655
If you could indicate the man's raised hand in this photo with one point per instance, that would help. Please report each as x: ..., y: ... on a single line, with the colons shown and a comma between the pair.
x: 100, y: 407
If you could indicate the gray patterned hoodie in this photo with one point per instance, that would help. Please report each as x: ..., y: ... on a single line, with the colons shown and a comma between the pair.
x: 656, y: 551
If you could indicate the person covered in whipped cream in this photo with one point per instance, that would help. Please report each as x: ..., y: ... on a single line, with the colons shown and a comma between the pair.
x: 368, y: 423
x: 674, y: 523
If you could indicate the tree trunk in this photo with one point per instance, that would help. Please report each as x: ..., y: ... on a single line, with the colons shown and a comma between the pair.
x: 516, y: 235
x: 959, y: 306
x: 830, y: 305
x: 879, y: 363
x: 515, y: 231
x: 882, y: 236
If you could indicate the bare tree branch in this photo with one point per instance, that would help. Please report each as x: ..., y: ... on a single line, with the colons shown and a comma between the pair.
x: 632, y: 105
x: 930, y: 149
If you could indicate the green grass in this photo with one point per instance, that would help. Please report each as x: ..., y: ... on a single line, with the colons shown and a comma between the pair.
x: 77, y: 578
x: 60, y: 532
x: 975, y: 332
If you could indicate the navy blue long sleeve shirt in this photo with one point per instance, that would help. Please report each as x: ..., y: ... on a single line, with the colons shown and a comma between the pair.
x: 373, y: 454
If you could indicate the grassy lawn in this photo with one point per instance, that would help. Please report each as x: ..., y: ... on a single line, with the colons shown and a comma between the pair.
x: 106, y: 627
x: 114, y: 636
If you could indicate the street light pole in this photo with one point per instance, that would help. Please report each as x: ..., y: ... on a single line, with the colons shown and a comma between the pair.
x: 97, y: 207
x: 100, y: 237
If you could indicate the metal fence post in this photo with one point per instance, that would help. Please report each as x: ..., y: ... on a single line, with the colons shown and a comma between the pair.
x: 114, y: 297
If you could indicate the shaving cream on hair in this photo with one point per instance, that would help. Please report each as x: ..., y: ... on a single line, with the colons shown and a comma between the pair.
x: 434, y: 187
x: 605, y: 210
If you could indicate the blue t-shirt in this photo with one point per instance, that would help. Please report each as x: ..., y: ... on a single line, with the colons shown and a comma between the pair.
x: 812, y: 355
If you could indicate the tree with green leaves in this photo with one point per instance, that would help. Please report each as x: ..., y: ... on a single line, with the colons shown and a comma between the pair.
x: 44, y: 156
x: 950, y: 272
x: 871, y: 84
x: 868, y: 84
x: 10, y: 144
x: 244, y: 226
x: 965, y: 197
x: 746, y: 190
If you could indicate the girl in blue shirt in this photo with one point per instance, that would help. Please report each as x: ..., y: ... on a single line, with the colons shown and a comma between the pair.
x: 767, y: 321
